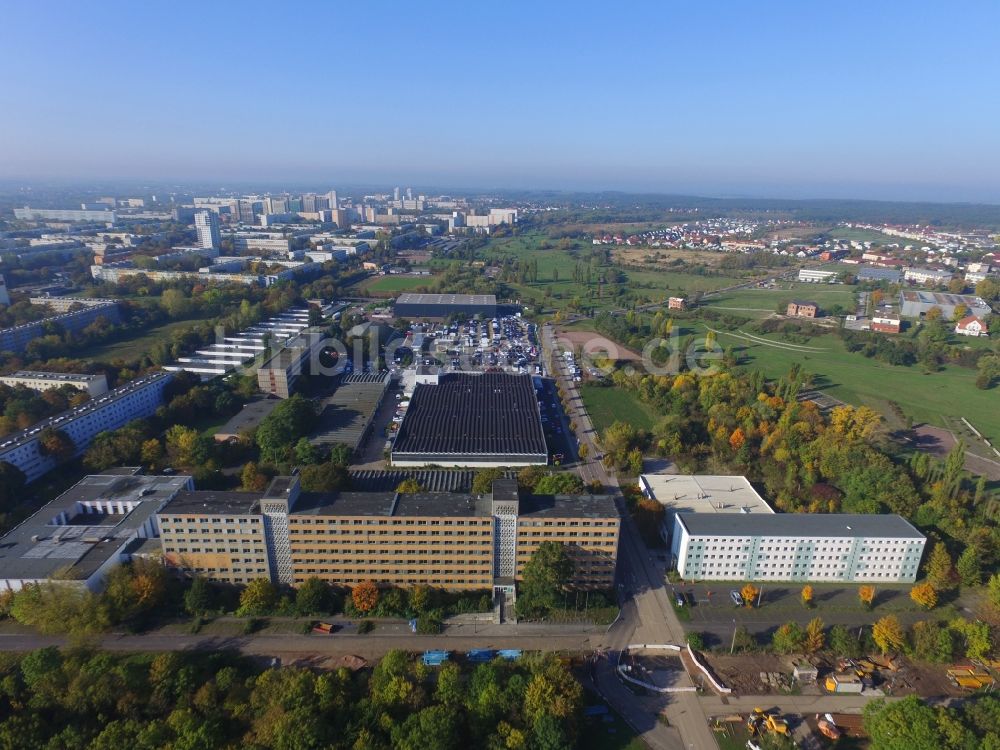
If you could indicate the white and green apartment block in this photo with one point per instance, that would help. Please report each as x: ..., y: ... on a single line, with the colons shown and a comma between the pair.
x: 817, y: 547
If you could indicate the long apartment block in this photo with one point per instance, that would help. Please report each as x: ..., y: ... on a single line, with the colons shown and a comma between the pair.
x: 448, y: 540
x: 17, y: 338
x: 863, y: 548
x: 116, y: 408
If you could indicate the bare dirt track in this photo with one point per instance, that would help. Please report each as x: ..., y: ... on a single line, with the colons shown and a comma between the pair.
x: 596, y: 344
x: 938, y: 442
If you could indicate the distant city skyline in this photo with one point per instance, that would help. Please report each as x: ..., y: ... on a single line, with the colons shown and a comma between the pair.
x: 892, y: 102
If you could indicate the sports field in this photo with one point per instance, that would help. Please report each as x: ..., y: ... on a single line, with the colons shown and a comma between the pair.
x: 389, y: 284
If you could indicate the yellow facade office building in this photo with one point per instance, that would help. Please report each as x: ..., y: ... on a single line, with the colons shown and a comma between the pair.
x: 448, y: 540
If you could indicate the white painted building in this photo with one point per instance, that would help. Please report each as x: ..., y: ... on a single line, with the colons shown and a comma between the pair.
x: 95, y: 385
x: 796, y: 547
x: 927, y: 276
x: 817, y: 276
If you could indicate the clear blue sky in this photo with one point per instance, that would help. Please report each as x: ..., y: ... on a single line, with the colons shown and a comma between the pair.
x: 893, y: 100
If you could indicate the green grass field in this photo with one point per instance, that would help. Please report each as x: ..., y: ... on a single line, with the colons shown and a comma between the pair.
x: 759, y: 303
x: 384, y: 284
x: 608, y: 405
x: 859, y: 380
x: 134, y: 348
x: 656, y: 284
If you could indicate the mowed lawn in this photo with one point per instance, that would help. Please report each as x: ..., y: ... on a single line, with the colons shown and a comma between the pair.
x: 858, y: 380
x: 608, y: 405
x: 397, y: 283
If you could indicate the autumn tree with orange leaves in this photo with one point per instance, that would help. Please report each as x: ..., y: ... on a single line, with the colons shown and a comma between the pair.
x: 365, y: 596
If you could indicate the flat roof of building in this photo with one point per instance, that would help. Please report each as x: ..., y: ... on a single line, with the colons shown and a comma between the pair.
x: 412, y: 298
x: 888, y: 525
x: 251, y: 415
x: 345, y: 416
x: 942, y: 298
x: 62, y: 534
x: 568, y: 506
x: 466, y: 414
x: 388, y: 503
x: 69, y: 377
x: 703, y: 493
x: 213, y: 502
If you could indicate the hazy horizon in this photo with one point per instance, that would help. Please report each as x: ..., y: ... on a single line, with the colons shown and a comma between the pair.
x: 786, y: 102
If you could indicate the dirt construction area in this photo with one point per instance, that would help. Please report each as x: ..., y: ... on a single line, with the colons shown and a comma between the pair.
x: 768, y: 674
x: 742, y: 672
x: 595, y: 345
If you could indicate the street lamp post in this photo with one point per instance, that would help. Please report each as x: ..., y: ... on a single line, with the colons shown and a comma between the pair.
x: 732, y: 648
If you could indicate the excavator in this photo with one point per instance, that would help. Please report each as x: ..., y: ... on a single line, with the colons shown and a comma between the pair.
x: 759, y: 722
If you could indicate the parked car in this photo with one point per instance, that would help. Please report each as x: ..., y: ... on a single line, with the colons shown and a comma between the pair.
x: 737, y: 598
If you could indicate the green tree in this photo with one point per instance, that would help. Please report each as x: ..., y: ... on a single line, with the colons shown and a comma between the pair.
x: 909, y: 724
x: 199, y: 597
x: 422, y: 598
x: 449, y: 690
x: 544, y: 580
x: 186, y: 446
x: 324, y: 477
x: 940, y: 572
x: 788, y: 639
x: 313, y: 597
x: 968, y: 567
x: 843, y: 642
x: 932, y: 642
x: 976, y: 633
x: 57, y: 444
x: 58, y: 607
x: 306, y: 453
x: 993, y: 590
x: 483, y: 482
x: 560, y: 483
x: 434, y: 727
x: 258, y: 597
x: 281, y: 429
x: 409, y: 487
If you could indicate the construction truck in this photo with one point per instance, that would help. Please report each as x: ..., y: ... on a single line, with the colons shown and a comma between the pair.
x: 759, y: 722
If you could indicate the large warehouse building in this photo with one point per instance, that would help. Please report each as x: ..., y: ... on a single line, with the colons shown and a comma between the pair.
x: 449, y: 540
x: 915, y: 303
x: 796, y: 547
x: 441, y: 306
x: 479, y: 420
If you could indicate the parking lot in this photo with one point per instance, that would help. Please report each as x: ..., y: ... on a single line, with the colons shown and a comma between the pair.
x: 507, y: 344
x: 712, y: 610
